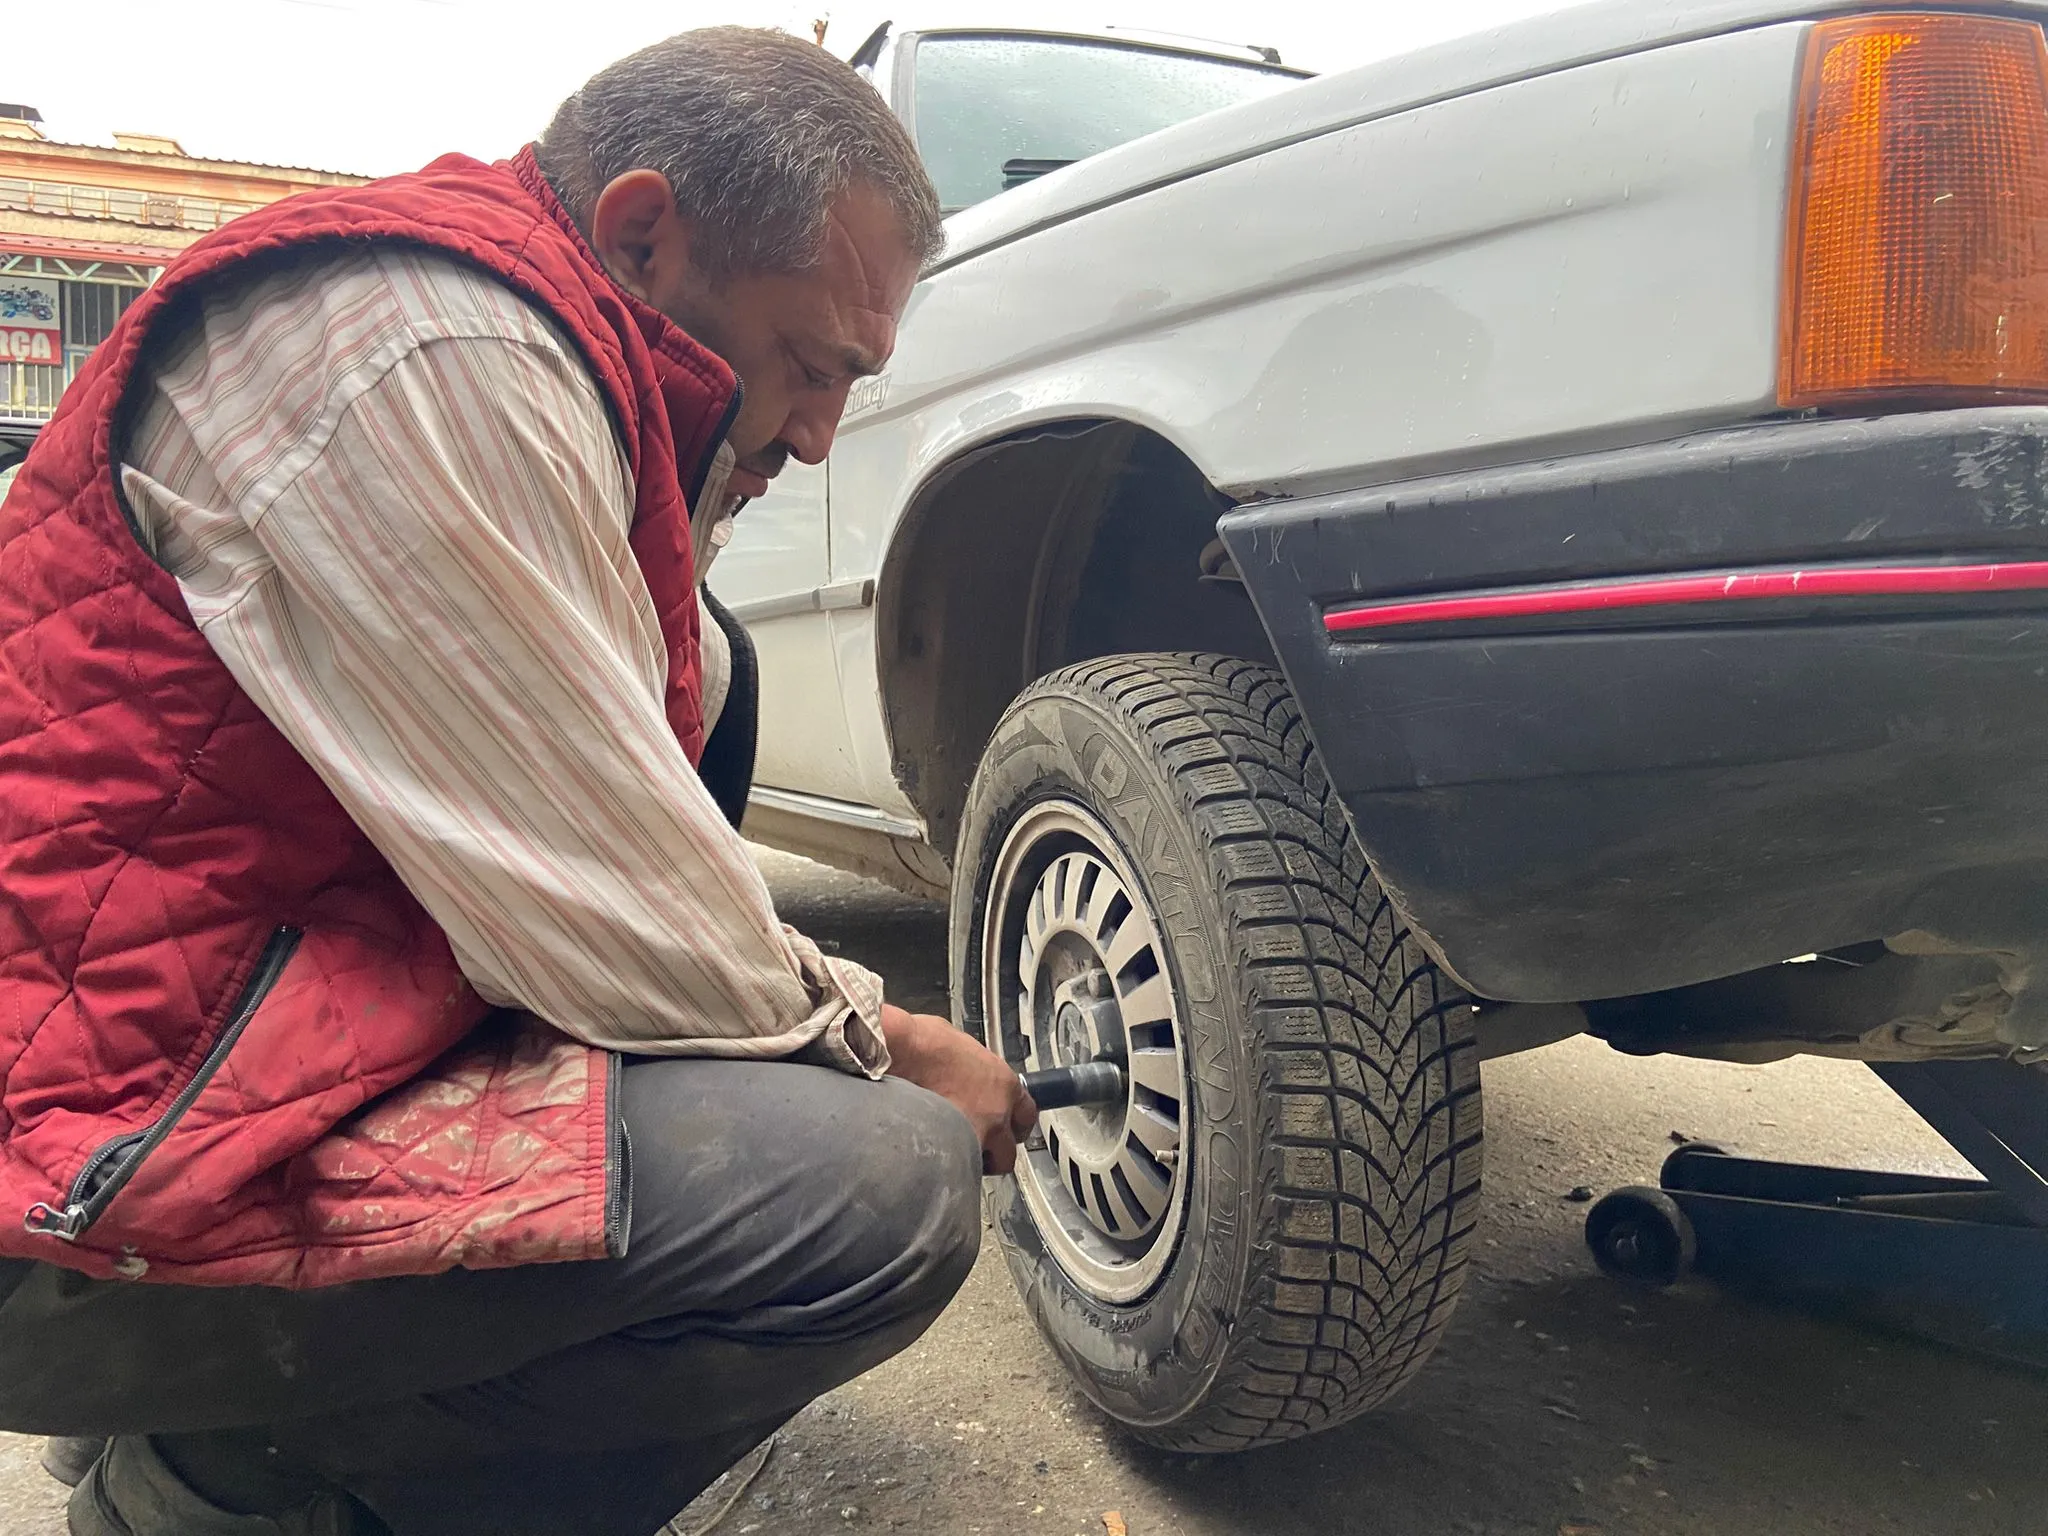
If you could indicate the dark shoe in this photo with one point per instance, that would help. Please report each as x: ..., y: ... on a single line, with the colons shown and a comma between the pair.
x: 68, y: 1458
x: 131, y: 1492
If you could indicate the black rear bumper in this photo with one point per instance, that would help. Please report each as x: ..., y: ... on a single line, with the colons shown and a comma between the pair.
x: 1578, y: 788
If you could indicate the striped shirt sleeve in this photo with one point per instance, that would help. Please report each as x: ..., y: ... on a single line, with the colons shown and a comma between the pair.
x: 395, y: 503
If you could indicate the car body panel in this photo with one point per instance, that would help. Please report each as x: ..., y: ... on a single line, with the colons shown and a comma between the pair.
x: 1498, y: 271
x: 773, y: 581
x: 1504, y: 278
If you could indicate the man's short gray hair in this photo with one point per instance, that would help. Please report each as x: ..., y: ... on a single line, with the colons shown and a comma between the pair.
x: 757, y: 133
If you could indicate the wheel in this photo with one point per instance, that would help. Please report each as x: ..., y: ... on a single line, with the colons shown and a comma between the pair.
x: 1265, y: 1238
x: 1639, y: 1234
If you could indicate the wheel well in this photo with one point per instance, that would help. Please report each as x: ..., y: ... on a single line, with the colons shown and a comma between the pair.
x: 1072, y: 541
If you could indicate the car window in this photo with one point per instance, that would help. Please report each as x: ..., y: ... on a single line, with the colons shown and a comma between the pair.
x: 1030, y: 104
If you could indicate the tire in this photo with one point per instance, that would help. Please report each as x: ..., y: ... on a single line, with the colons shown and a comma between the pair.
x: 1326, y: 1171
x: 1641, y: 1235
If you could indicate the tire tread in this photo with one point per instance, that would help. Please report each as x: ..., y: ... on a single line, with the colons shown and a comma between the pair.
x: 1368, y: 1093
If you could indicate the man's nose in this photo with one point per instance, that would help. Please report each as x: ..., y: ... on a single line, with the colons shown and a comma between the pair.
x: 812, y: 426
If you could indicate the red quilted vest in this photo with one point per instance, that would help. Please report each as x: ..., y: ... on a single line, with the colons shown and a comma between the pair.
x: 233, y: 1048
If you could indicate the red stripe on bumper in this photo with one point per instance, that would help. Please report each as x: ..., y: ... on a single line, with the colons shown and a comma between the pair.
x: 1660, y: 591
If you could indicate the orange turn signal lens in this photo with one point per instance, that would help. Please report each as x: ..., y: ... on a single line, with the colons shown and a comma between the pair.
x: 1917, y: 248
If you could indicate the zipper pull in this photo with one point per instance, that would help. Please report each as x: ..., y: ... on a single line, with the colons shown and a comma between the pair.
x: 46, y: 1221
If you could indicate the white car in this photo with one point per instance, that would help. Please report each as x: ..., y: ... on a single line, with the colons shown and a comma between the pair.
x: 1525, y: 537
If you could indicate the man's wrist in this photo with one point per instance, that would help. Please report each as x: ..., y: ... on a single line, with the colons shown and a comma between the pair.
x: 922, y: 1046
x: 907, y: 1036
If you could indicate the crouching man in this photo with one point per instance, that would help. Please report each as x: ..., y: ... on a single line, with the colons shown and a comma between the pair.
x: 413, y: 1117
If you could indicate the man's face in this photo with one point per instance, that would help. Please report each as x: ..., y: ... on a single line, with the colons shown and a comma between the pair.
x: 796, y: 340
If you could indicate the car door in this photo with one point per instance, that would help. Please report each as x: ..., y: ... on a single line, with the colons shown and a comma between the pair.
x: 775, y: 577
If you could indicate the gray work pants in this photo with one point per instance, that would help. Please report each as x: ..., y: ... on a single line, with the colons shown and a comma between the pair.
x: 792, y: 1227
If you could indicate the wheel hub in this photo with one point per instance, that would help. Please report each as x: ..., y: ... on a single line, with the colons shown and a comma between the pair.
x: 1075, y: 970
x: 1088, y: 1025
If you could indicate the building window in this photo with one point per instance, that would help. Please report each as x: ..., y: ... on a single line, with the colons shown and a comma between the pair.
x: 90, y: 310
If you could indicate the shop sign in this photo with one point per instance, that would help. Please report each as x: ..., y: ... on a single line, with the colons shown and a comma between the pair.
x: 31, y: 327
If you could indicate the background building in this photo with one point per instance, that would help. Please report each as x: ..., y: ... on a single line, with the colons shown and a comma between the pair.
x: 85, y: 228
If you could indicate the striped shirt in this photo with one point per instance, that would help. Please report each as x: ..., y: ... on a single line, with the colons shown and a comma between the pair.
x: 397, y: 507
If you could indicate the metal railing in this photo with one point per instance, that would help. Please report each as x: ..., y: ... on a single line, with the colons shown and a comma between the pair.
x: 30, y: 391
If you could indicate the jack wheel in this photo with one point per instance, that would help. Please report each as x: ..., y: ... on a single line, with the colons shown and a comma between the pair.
x: 1640, y: 1235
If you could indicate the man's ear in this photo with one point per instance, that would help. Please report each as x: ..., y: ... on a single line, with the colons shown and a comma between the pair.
x: 638, y: 235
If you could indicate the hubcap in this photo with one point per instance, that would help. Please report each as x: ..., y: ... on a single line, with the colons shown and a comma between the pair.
x: 1074, y: 971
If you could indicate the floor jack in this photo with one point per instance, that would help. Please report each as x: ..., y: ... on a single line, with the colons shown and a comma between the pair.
x: 1960, y: 1261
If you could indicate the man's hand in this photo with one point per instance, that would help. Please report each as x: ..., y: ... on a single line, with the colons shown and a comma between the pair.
x: 931, y: 1053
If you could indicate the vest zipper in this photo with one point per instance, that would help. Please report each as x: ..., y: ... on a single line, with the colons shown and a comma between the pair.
x: 703, y: 472
x: 618, y: 1165
x: 107, y: 1172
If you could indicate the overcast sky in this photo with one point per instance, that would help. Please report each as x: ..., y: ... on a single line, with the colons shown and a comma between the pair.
x: 383, y: 85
